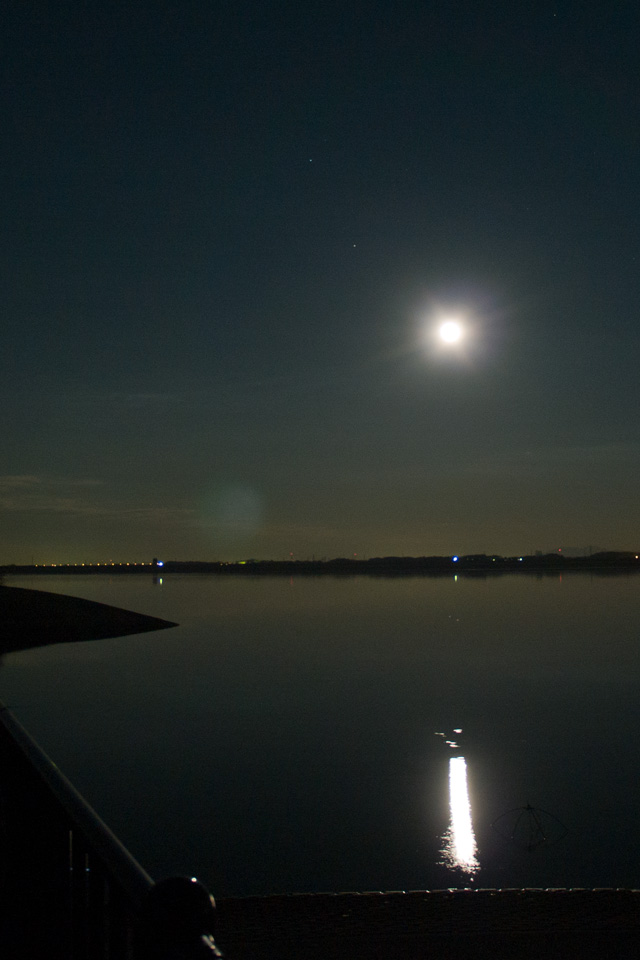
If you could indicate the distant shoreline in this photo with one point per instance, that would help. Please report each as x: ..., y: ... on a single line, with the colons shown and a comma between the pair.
x: 470, y: 564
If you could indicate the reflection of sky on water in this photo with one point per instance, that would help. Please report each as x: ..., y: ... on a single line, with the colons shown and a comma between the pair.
x: 460, y: 846
x: 316, y: 696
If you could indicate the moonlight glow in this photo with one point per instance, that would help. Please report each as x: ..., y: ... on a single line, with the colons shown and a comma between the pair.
x: 460, y: 843
x: 450, y: 331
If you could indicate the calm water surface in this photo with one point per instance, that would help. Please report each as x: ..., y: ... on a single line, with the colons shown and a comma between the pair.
x: 291, y: 735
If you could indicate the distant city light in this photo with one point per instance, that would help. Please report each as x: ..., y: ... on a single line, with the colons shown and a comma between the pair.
x: 160, y: 563
x: 455, y: 559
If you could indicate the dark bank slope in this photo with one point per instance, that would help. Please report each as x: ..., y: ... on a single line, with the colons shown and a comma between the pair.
x: 33, y: 618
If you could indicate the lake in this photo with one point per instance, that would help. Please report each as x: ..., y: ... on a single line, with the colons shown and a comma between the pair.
x: 296, y: 734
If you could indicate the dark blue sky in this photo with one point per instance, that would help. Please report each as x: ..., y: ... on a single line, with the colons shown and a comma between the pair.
x: 229, y: 230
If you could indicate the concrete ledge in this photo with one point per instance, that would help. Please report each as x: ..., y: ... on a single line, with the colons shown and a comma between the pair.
x: 439, y: 924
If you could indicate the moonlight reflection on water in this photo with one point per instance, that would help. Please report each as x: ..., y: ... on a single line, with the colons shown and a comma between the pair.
x: 460, y: 846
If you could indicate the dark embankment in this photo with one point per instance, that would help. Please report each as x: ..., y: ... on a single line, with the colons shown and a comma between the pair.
x: 33, y: 618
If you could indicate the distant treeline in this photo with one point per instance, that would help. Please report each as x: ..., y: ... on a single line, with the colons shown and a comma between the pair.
x: 478, y: 564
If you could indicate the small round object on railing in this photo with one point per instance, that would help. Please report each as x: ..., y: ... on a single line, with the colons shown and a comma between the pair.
x: 178, y: 920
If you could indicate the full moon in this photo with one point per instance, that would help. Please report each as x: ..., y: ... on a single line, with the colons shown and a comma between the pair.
x: 450, y: 331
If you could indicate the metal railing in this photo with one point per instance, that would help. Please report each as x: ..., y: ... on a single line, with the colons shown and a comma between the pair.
x: 68, y: 887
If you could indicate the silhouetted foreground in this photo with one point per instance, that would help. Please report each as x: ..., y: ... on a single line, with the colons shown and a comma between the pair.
x: 33, y: 618
x: 69, y: 889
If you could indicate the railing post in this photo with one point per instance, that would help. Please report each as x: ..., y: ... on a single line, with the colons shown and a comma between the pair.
x: 59, y: 862
x: 177, y: 922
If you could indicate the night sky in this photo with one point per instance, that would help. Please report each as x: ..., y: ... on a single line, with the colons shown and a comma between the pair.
x: 230, y: 232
